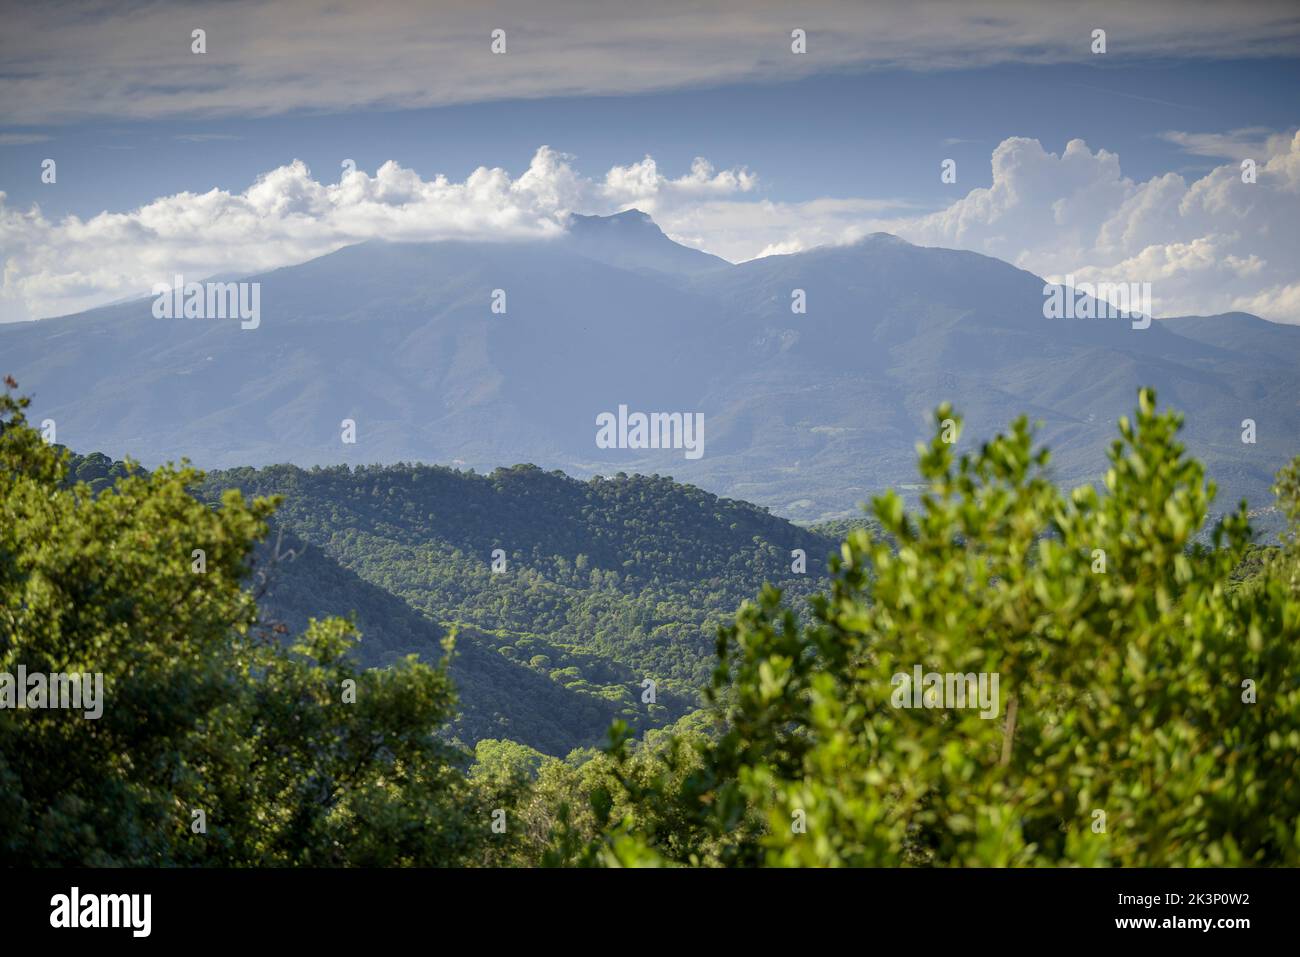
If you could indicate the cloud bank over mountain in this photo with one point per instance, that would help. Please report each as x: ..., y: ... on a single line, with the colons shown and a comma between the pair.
x: 1210, y: 245
x: 289, y: 216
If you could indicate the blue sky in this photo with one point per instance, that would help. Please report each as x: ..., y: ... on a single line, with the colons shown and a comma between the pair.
x: 878, y: 134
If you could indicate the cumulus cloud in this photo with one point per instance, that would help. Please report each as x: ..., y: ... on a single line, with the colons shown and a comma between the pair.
x: 642, y: 182
x: 1211, y: 245
x: 67, y: 59
x: 289, y: 216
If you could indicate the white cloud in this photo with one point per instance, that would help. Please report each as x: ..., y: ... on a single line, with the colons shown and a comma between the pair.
x: 288, y: 216
x: 1211, y: 245
x: 642, y: 182
x: 738, y: 229
x: 1235, y: 144
x: 67, y: 60
x: 1276, y: 301
x: 1208, y: 246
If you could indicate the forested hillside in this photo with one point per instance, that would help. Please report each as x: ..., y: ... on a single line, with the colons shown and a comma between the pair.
x: 498, y: 696
x: 599, y: 582
x: 602, y: 584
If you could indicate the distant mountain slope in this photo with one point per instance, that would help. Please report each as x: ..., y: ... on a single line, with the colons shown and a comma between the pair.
x: 398, y: 337
x: 893, y: 329
x: 808, y: 413
x: 631, y: 240
x: 1242, y: 334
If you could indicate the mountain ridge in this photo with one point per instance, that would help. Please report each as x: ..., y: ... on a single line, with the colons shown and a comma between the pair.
x: 806, y: 413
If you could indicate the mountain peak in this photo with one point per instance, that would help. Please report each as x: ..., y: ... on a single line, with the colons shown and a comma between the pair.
x: 629, y: 218
x: 633, y: 240
x: 882, y: 238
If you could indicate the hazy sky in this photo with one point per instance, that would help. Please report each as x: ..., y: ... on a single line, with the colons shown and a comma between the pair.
x: 1123, y: 165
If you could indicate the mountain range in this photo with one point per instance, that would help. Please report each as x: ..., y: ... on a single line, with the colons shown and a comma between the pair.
x: 808, y: 413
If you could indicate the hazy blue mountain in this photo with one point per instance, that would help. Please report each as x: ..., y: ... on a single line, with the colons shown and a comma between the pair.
x: 632, y: 240
x: 806, y: 413
x: 892, y: 329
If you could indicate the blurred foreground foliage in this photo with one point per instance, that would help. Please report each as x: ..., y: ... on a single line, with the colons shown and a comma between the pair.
x: 1149, y: 711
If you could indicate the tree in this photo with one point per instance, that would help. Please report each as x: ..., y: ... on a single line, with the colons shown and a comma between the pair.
x: 1147, y: 714
x: 219, y: 743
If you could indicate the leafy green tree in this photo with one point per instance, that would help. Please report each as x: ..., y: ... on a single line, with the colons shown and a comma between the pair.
x: 218, y: 743
x: 1148, y: 712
